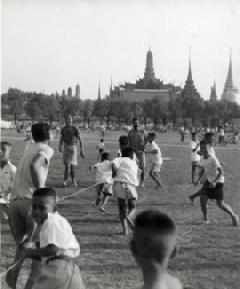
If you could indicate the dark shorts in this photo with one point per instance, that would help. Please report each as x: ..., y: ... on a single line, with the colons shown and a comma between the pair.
x: 216, y: 193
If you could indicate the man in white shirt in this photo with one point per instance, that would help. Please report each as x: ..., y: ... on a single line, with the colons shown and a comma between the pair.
x: 155, y: 159
x: 31, y: 174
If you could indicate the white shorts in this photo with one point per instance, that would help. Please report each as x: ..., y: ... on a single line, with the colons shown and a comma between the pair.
x: 156, y: 168
x: 125, y: 191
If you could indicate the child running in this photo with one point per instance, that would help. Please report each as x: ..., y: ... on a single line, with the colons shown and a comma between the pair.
x: 104, y: 180
x: 213, y: 186
x: 125, y: 171
x: 195, y: 155
x: 7, y: 173
x: 155, y: 158
x: 58, y: 246
x: 152, y: 245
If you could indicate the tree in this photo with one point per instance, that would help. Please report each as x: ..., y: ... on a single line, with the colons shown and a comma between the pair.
x: 87, y: 111
x: 14, y: 104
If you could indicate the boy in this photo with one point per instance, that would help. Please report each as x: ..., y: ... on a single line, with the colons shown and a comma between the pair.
x: 152, y: 245
x: 125, y: 172
x: 31, y: 174
x: 7, y: 174
x: 70, y: 135
x: 123, y: 143
x: 58, y: 247
x: 213, y: 187
x: 100, y: 148
x: 195, y: 155
x: 104, y: 180
x: 156, y: 159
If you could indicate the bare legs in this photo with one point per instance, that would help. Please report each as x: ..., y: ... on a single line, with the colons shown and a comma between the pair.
x: 127, y: 211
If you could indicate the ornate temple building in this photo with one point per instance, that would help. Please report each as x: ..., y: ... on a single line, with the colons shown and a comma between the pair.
x: 230, y: 92
x: 145, y: 88
x: 189, y: 89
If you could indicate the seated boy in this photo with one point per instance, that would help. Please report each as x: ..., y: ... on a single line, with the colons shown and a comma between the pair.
x: 7, y: 173
x: 152, y: 245
x: 58, y: 246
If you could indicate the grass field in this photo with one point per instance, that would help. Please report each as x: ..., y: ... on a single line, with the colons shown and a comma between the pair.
x: 209, y: 255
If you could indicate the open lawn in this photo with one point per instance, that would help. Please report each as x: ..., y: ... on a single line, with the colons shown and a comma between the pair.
x: 209, y: 255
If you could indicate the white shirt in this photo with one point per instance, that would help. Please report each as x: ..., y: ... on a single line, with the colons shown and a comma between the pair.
x: 127, y: 171
x: 23, y: 182
x: 104, y: 172
x: 155, y: 158
x: 7, y: 175
x: 101, y: 145
x: 195, y: 156
x: 210, y: 166
x: 57, y: 231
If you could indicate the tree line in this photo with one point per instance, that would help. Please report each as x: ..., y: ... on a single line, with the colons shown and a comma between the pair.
x: 19, y: 105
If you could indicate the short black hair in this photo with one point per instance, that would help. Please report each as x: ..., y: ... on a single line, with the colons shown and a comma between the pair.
x: 102, y: 140
x: 152, y: 134
x: 134, y: 119
x: 123, y: 140
x: 105, y: 156
x: 6, y: 144
x: 156, y: 220
x: 45, y: 192
x: 40, y: 131
x: 127, y: 152
x: 194, y: 133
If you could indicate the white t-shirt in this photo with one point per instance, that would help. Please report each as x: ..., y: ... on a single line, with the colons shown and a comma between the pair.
x: 101, y: 146
x: 195, y: 156
x: 57, y: 231
x: 210, y: 166
x: 7, y: 176
x: 127, y: 171
x: 155, y: 158
x: 104, y: 172
x: 23, y: 182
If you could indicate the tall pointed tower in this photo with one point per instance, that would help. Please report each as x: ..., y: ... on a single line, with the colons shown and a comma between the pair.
x: 149, y: 71
x: 189, y: 89
x: 213, y: 94
x: 77, y: 93
x: 99, y: 91
x: 230, y: 92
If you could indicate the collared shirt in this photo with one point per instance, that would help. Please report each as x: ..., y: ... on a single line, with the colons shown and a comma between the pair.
x: 57, y: 231
x: 23, y: 182
x: 7, y: 175
x: 70, y: 135
x: 137, y: 139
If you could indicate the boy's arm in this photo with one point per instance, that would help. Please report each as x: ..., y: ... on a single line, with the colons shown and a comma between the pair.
x: 201, y: 174
x: 219, y: 175
x: 48, y: 251
x: 35, y: 170
x: 81, y: 146
x: 154, y: 151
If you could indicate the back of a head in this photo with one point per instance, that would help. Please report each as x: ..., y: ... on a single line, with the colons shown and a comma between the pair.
x: 45, y: 192
x: 127, y: 152
x: 209, y: 138
x: 4, y: 144
x: 40, y: 132
x: 123, y: 141
x: 154, y: 236
x: 152, y: 135
x: 105, y: 156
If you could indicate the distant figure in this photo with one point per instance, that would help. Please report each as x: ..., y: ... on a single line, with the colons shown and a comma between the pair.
x: 182, y: 133
x: 102, y: 130
x: 195, y: 155
x: 152, y: 245
x: 137, y: 140
x: 70, y: 135
x: 7, y: 173
x: 221, y: 135
x: 28, y: 137
x: 100, y: 147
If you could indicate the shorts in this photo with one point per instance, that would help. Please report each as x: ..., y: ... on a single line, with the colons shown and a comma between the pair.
x: 20, y: 218
x: 105, y: 189
x: 125, y: 191
x: 216, y: 193
x: 156, y: 168
x: 70, y: 155
x: 59, y: 274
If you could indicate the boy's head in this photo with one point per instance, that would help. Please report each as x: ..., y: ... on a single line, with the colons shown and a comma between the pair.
x: 208, y: 138
x: 105, y: 156
x: 154, y: 238
x: 68, y: 120
x: 204, y: 148
x: 123, y: 141
x: 135, y: 123
x: 151, y: 136
x: 43, y: 202
x: 127, y: 152
x: 40, y: 132
x: 102, y: 140
x: 194, y: 135
x: 5, y: 149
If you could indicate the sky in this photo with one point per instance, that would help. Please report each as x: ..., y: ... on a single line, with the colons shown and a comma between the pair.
x: 49, y: 45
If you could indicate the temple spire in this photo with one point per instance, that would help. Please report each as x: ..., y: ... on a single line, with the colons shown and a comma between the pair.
x: 229, y: 80
x: 149, y: 71
x: 189, y: 78
x: 99, y: 91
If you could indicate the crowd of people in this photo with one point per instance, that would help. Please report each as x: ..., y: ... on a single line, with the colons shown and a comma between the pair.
x: 42, y: 234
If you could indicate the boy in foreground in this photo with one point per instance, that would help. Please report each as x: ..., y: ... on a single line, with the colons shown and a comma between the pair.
x: 57, y: 249
x: 152, y: 245
x: 213, y: 186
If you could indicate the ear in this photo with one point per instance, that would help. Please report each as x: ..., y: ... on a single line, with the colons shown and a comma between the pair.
x: 133, y: 247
